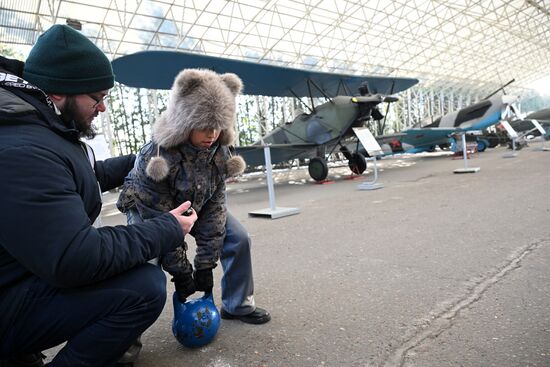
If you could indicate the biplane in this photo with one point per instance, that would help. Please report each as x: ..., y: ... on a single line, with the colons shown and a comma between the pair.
x: 348, y: 101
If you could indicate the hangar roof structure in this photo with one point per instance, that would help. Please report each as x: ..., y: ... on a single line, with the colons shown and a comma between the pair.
x: 473, y: 44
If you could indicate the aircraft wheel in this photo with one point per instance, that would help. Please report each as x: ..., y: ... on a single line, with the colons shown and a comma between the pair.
x: 444, y: 146
x: 345, y: 151
x: 357, y: 163
x: 482, y: 145
x: 492, y: 138
x: 318, y: 169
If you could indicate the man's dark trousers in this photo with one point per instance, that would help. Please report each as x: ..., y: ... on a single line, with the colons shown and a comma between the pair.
x: 99, y: 321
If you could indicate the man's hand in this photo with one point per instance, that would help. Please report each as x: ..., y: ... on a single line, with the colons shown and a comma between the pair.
x: 185, y: 286
x: 186, y: 221
x: 204, y: 280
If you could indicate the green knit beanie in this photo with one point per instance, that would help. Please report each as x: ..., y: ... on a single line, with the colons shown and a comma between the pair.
x: 63, y: 61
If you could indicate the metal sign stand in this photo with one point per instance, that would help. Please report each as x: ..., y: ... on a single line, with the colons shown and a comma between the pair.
x: 373, y: 148
x: 466, y: 169
x: 513, y: 135
x: 542, y: 148
x: 273, y: 211
x: 539, y: 127
x: 371, y: 185
x: 513, y: 153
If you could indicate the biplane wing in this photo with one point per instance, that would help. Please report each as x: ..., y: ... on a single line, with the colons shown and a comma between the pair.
x: 157, y: 70
x: 254, y: 154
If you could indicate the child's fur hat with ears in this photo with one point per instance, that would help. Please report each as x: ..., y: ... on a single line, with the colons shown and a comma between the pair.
x: 200, y: 99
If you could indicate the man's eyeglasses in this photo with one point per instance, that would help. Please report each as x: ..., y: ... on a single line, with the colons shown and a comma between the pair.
x: 97, y: 100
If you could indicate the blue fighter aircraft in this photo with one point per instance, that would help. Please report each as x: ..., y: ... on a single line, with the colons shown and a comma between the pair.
x: 475, y: 117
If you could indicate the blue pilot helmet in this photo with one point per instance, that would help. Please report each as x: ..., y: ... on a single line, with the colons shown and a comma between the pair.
x: 196, y: 321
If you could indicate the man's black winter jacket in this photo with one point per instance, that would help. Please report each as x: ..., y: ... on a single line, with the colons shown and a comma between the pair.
x: 49, y: 199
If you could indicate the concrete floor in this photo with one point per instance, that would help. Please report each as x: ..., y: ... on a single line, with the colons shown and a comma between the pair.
x: 434, y: 269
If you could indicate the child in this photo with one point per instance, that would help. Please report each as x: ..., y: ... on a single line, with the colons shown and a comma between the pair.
x: 189, y: 159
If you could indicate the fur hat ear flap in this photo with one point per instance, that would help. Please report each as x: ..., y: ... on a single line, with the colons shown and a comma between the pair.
x: 233, y: 82
x: 235, y: 166
x: 188, y: 79
x: 227, y: 137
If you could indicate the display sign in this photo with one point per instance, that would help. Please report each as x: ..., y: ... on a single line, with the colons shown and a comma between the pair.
x: 369, y: 142
x: 539, y: 127
x: 509, y: 129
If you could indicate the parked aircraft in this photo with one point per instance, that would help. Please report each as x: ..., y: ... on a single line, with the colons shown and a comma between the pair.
x: 475, y: 117
x: 312, y: 135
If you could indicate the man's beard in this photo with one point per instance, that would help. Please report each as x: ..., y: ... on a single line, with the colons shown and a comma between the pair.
x: 70, y: 113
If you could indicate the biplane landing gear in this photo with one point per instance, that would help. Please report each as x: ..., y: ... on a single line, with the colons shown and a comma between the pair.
x: 318, y: 168
x: 357, y: 163
x: 444, y: 146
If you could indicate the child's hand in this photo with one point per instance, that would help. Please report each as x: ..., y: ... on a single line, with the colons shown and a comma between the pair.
x: 185, y: 286
x: 186, y: 221
x: 204, y: 280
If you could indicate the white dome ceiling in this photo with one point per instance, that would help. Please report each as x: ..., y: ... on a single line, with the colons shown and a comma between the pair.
x: 473, y: 44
